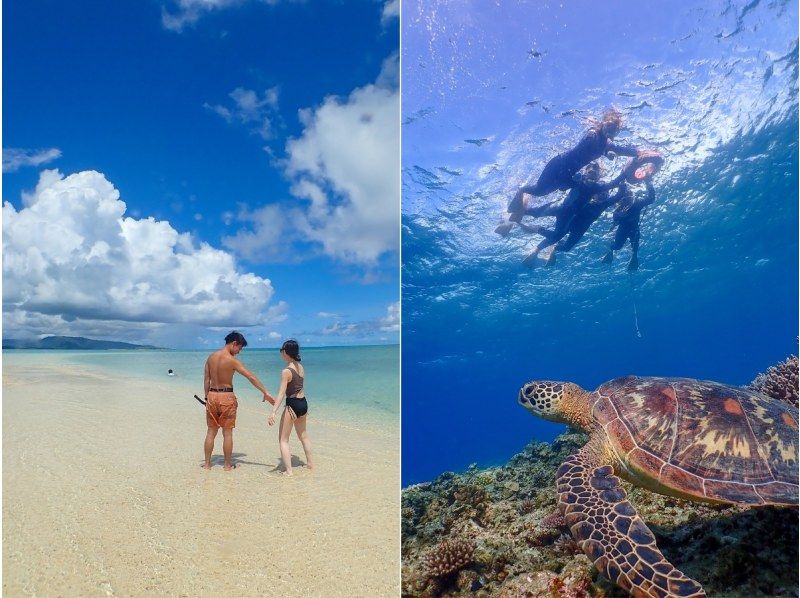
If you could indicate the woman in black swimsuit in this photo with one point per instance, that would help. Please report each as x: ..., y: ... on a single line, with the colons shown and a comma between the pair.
x: 292, y: 378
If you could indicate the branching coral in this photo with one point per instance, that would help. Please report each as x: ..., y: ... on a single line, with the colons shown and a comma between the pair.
x: 554, y: 520
x: 779, y: 381
x: 527, y: 506
x: 566, y: 544
x: 449, y: 556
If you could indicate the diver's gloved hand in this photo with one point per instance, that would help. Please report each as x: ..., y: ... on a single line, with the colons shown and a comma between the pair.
x: 610, y: 154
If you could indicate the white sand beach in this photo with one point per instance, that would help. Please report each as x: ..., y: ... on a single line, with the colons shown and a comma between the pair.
x: 103, y: 495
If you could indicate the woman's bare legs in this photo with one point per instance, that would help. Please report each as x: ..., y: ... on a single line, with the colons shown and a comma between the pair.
x: 283, y: 440
x: 300, y: 430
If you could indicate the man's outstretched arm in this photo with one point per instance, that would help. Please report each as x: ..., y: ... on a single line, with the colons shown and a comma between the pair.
x: 239, y: 366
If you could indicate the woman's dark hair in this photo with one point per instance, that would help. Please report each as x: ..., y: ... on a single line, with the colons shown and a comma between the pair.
x: 291, y: 348
x: 236, y: 337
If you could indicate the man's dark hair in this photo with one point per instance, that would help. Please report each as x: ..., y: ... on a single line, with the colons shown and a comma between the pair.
x: 236, y: 337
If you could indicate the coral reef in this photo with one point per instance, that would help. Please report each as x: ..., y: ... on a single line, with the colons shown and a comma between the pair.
x: 527, y: 506
x: 779, y: 381
x: 560, y: 589
x: 526, y: 552
x: 448, y: 557
x: 554, y: 520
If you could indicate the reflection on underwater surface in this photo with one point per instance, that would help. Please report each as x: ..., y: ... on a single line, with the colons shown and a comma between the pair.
x: 713, y: 86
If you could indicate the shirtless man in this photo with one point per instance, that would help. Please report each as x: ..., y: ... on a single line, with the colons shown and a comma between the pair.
x: 221, y: 403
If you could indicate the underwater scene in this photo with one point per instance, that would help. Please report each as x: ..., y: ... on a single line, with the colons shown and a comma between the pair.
x: 497, y: 98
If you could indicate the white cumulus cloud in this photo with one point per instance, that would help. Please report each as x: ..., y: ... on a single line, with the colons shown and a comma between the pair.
x: 350, y: 150
x: 391, y: 323
x: 271, y: 234
x: 345, y: 170
x: 16, y: 158
x: 71, y: 254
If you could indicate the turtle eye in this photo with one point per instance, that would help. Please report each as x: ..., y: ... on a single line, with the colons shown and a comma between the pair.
x: 524, y: 395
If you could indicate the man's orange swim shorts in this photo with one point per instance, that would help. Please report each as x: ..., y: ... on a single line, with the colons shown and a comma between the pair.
x: 221, y: 409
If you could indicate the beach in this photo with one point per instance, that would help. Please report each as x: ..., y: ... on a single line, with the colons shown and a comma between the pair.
x: 103, y: 493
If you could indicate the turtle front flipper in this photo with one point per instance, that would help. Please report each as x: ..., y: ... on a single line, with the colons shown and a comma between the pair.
x: 608, y: 529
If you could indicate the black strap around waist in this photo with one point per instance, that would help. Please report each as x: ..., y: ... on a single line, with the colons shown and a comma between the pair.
x: 226, y: 389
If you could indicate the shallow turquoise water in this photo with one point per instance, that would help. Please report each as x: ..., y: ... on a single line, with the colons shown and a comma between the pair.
x: 342, y: 383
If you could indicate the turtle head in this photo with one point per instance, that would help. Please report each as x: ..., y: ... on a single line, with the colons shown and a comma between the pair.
x: 562, y: 402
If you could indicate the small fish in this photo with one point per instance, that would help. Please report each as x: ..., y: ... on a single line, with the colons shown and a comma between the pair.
x: 669, y: 85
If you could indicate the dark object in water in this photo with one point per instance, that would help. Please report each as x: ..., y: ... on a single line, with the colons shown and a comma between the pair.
x: 202, y: 402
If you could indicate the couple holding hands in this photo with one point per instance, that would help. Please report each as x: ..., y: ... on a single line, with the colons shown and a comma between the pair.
x: 221, y: 403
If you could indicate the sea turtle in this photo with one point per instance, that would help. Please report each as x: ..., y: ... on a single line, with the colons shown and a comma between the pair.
x: 691, y: 439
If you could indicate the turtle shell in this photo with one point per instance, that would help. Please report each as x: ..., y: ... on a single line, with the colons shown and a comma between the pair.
x: 700, y: 439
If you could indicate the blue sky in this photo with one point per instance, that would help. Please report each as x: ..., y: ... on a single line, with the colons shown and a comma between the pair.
x: 174, y: 169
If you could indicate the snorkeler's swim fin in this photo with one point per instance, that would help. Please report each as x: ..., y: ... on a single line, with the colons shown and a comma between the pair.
x: 549, y: 256
x: 530, y: 259
x: 504, y: 228
x: 633, y: 265
x: 608, y: 257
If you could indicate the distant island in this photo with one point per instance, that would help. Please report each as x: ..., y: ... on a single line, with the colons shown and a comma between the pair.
x: 70, y: 342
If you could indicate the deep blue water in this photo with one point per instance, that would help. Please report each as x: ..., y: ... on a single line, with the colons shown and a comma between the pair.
x: 713, y: 85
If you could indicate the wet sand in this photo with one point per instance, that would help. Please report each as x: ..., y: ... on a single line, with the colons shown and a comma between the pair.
x: 103, y: 495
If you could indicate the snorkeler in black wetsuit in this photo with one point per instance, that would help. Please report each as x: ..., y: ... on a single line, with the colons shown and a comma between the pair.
x: 584, y: 218
x: 558, y: 173
x: 585, y: 188
x: 626, y: 217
